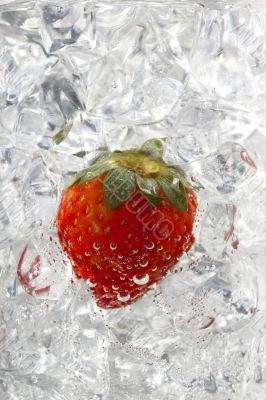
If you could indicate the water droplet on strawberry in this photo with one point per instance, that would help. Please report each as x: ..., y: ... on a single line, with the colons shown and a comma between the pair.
x: 143, y: 263
x: 91, y: 283
x: 150, y: 246
x: 167, y: 256
x: 123, y: 298
x: 141, y: 279
x: 113, y: 246
x: 96, y: 246
x: 115, y: 287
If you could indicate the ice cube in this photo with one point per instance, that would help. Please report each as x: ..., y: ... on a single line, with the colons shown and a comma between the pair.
x: 31, y: 129
x: 28, y: 195
x: 228, y: 169
x: 189, y: 295
x: 220, y: 65
x: 43, y: 269
x: 152, y: 329
x: 131, y: 370
x: 19, y: 21
x: 218, y: 234
x: 148, y: 80
x: 23, y: 64
x: 61, y: 94
x: 85, y: 135
x: 63, y: 25
x: 202, y: 125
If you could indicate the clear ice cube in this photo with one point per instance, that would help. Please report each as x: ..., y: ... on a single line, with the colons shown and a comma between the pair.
x: 62, y: 25
x: 202, y: 125
x: 228, y: 169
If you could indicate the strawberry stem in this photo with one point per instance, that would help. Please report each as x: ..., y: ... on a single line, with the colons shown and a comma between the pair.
x: 143, y: 168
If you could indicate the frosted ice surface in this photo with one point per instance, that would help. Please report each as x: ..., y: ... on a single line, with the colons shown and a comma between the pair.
x: 118, y: 73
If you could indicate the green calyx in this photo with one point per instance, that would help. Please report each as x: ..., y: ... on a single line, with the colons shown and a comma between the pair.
x: 142, y: 168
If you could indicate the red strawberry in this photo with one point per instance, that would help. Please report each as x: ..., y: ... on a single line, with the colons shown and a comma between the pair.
x: 125, y: 222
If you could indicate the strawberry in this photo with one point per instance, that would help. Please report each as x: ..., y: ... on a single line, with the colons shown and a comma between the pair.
x: 125, y: 222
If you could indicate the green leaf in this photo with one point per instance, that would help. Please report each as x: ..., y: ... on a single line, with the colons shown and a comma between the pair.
x: 95, y: 171
x: 149, y: 188
x: 184, y: 202
x: 80, y: 154
x: 177, y: 172
x: 119, y: 185
x: 147, y: 185
x: 92, y: 172
x: 153, y: 147
x: 176, y: 193
x: 152, y: 199
x: 103, y: 153
x: 61, y: 135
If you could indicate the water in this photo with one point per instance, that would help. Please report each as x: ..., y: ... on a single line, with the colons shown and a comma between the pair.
x: 120, y: 73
